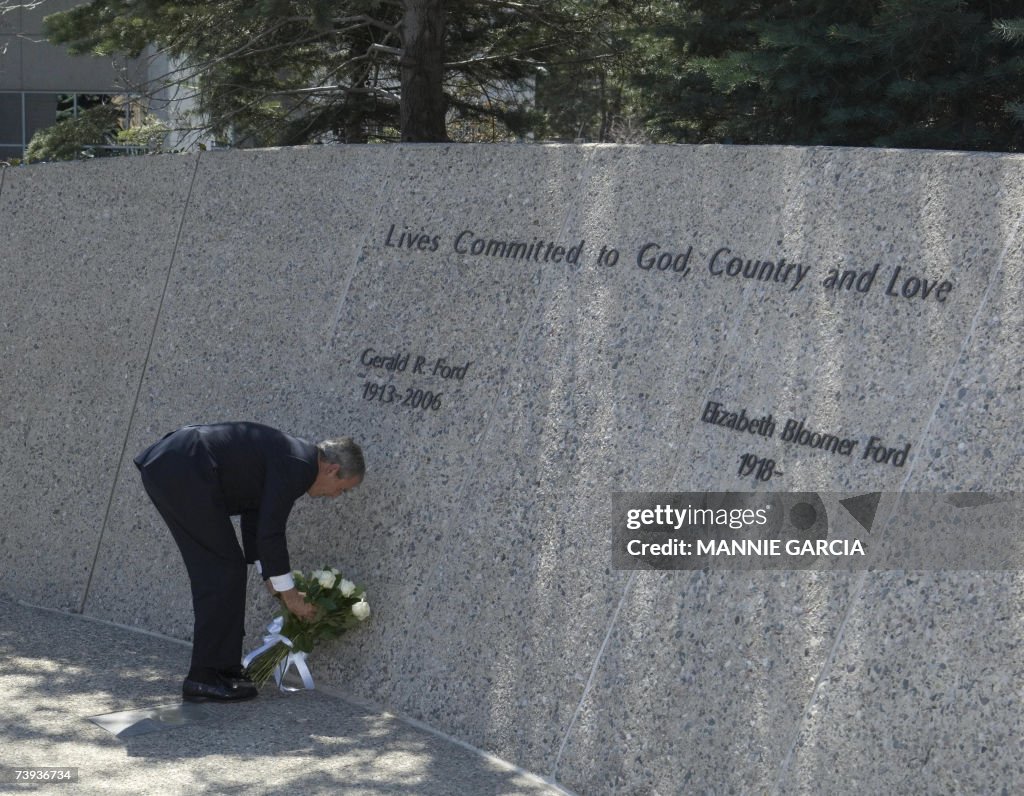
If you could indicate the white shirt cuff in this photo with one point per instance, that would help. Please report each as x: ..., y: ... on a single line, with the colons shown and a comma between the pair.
x: 259, y: 568
x: 283, y: 582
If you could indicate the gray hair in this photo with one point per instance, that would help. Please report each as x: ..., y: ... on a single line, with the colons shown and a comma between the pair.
x: 345, y: 453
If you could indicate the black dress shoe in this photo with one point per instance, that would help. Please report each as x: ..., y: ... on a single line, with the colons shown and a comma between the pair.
x: 236, y: 676
x: 223, y: 691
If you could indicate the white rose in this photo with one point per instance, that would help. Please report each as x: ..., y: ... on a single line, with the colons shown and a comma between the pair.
x: 361, y: 610
x: 326, y: 579
x: 346, y: 587
x: 336, y: 572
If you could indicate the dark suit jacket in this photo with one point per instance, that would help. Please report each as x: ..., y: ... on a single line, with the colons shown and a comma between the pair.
x: 260, y: 471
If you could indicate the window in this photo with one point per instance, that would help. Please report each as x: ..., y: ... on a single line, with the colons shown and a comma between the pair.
x: 23, y: 113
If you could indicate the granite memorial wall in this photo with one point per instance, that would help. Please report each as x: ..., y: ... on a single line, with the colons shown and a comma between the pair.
x: 530, y: 342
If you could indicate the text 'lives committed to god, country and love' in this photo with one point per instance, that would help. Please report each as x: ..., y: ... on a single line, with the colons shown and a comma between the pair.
x: 906, y: 281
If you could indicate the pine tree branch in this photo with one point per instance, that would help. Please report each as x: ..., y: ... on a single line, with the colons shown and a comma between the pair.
x: 1011, y: 30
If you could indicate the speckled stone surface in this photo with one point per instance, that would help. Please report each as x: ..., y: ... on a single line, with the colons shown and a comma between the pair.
x: 319, y: 289
x: 240, y: 336
x: 974, y: 435
x: 85, y: 253
x: 430, y: 306
x: 723, y: 663
x: 925, y: 683
x: 924, y: 693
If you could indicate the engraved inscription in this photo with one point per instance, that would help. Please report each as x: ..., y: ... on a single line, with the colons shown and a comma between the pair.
x: 679, y: 260
x: 797, y: 432
x: 422, y: 396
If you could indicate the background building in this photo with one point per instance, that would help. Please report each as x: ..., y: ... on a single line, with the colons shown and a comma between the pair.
x: 41, y: 84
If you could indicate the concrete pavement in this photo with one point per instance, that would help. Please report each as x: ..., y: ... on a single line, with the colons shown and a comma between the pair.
x: 59, y: 670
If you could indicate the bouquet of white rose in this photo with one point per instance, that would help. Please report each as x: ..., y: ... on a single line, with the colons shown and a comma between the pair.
x: 340, y: 605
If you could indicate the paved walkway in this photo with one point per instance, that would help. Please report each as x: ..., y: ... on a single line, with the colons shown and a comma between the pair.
x: 59, y: 670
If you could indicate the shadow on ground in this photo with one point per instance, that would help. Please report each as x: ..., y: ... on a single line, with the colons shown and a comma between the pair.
x: 58, y: 670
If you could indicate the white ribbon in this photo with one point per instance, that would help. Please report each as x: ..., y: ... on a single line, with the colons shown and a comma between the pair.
x: 296, y: 659
x: 273, y: 637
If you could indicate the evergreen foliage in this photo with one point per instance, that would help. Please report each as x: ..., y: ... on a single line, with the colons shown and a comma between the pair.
x: 77, y: 138
x: 280, y: 72
x: 901, y: 73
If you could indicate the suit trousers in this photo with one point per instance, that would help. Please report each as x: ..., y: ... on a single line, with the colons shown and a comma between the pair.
x: 186, y: 491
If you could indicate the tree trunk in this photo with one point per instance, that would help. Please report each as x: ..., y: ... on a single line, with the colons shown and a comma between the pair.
x: 423, y: 107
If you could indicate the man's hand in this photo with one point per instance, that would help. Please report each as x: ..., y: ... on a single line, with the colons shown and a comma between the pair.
x: 295, y: 601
